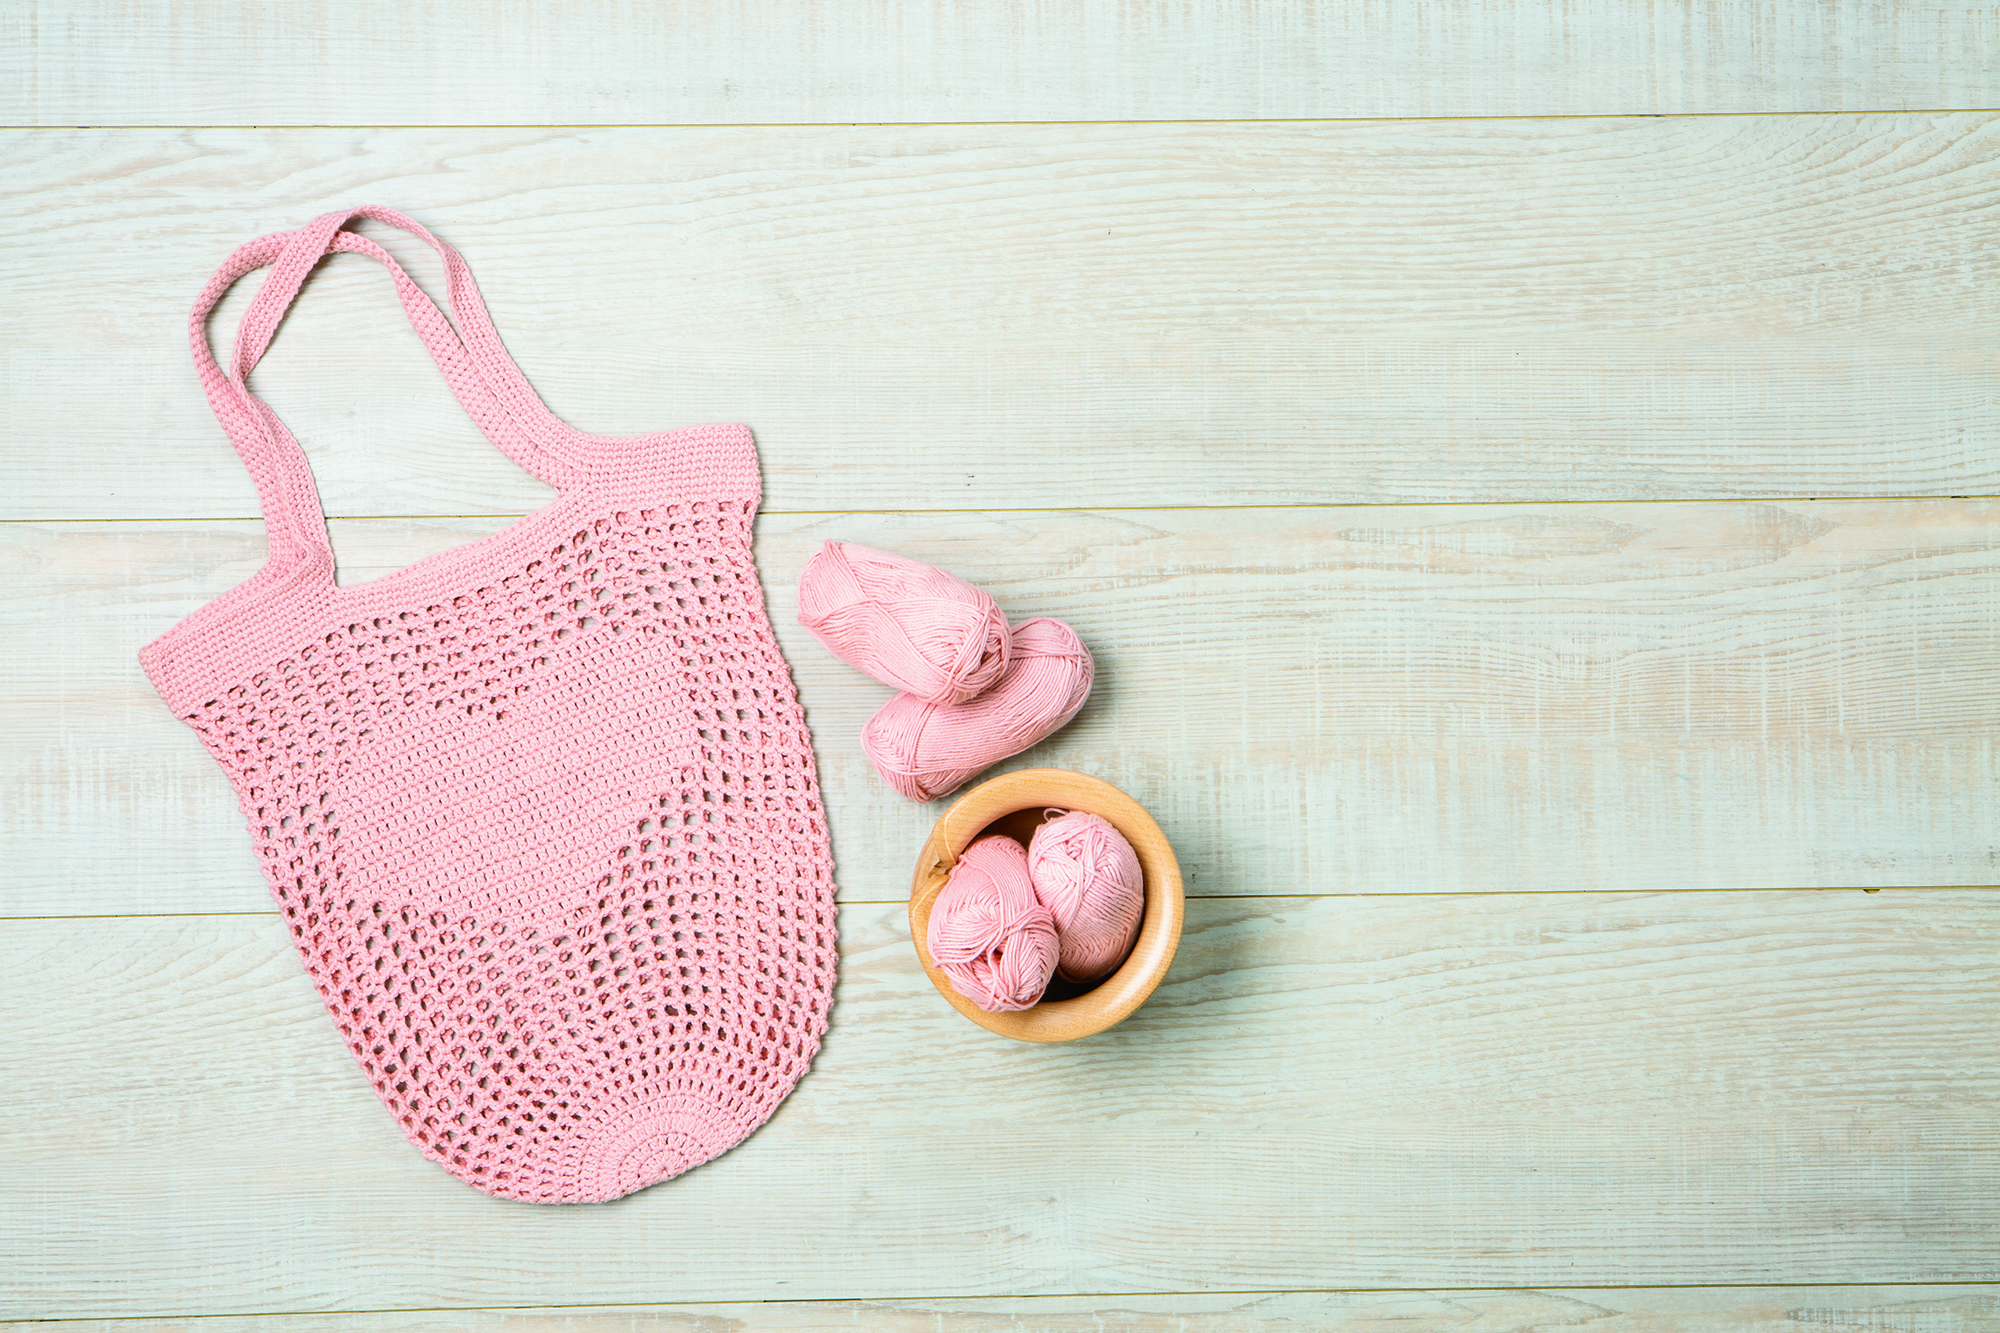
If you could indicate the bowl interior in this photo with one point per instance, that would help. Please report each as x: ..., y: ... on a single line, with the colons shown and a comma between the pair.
x: 1016, y: 804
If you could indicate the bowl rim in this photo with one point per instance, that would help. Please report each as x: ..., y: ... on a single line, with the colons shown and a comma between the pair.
x: 1112, y: 1000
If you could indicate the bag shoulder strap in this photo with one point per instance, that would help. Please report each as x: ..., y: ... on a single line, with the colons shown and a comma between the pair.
x: 494, y: 392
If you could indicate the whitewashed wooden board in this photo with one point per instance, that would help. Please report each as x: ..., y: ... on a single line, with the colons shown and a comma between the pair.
x: 987, y: 317
x: 1484, y: 1091
x: 98, y: 62
x: 1943, y: 1308
x: 1053, y: 357
x: 1365, y: 700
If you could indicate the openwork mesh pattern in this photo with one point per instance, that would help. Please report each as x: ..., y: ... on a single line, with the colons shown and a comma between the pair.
x: 542, y: 817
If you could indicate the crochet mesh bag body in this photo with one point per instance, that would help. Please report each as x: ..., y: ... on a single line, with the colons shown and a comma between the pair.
x: 540, y: 811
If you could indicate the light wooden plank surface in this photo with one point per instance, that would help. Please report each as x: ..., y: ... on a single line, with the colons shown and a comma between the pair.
x: 979, y: 317
x: 1940, y: 1309
x: 1505, y: 1090
x: 1371, y: 700
x: 1476, y: 688
x: 95, y: 62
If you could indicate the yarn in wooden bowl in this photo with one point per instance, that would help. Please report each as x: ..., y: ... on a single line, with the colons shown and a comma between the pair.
x: 925, y: 750
x: 989, y: 932
x: 1014, y: 803
x: 908, y: 624
x: 1087, y: 876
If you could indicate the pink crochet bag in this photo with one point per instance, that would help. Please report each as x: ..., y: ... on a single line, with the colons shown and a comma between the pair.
x: 540, y: 811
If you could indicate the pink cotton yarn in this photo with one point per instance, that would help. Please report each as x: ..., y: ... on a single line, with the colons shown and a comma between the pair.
x: 1088, y: 876
x: 908, y: 624
x: 988, y: 931
x: 575, y: 952
x: 925, y: 750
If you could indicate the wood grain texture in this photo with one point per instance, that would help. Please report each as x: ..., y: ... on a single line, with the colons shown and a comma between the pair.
x: 94, y: 62
x: 1941, y: 1309
x: 1371, y: 700
x: 1507, y: 1090
x: 985, y: 317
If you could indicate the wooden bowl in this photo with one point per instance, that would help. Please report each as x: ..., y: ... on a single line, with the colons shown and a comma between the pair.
x: 1013, y: 804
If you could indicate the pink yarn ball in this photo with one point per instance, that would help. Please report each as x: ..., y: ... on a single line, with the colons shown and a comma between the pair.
x: 908, y: 624
x: 1088, y: 876
x: 989, y: 933
x: 925, y: 750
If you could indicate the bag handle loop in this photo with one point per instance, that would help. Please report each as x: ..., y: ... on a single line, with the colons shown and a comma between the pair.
x: 494, y: 392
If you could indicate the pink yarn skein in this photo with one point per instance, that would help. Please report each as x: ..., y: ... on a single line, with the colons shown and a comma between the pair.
x: 1088, y: 877
x: 989, y: 933
x: 906, y: 623
x: 925, y: 750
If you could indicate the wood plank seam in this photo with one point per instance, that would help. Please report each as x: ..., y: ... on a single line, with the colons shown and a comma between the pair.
x: 1304, y: 505
x: 1080, y: 122
x: 1192, y: 897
